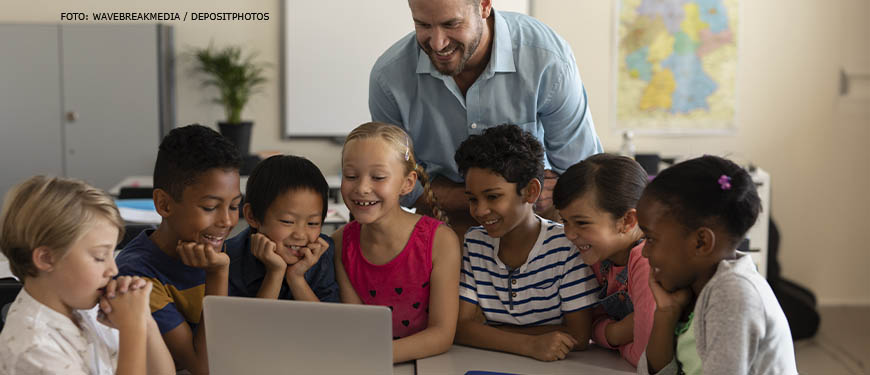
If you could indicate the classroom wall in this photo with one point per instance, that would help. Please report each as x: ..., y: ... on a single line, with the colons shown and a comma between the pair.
x: 791, y: 120
x: 193, y: 103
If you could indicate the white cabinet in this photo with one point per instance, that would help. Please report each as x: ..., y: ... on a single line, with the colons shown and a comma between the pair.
x: 84, y: 101
x: 757, y: 235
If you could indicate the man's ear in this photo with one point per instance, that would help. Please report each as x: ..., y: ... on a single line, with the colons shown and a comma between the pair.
x: 163, y: 202
x: 705, y: 241
x: 43, y: 258
x: 485, y: 8
x: 249, y: 216
x: 532, y: 191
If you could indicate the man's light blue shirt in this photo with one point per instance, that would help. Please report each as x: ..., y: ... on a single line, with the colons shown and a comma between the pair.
x: 531, y: 81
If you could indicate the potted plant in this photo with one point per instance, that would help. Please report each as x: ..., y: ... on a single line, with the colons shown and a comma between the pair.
x: 236, y: 78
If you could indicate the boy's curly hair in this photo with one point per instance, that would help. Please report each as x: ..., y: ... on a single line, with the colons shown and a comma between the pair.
x: 507, y: 150
x: 189, y: 151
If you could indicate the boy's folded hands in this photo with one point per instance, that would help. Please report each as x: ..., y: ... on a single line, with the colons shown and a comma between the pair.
x: 125, y: 303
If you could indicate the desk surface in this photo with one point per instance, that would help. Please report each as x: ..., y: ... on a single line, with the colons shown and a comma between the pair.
x: 460, y: 359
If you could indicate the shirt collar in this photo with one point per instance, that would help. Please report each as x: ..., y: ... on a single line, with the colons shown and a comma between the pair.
x: 52, y: 318
x: 501, y: 60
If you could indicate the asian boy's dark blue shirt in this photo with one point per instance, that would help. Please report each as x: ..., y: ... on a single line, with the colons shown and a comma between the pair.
x: 247, y: 272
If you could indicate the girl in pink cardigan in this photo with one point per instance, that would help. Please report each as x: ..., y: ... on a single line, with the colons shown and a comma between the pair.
x: 596, y: 199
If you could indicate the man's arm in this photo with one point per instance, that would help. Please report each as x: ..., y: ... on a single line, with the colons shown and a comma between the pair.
x: 382, y: 104
x: 569, y: 133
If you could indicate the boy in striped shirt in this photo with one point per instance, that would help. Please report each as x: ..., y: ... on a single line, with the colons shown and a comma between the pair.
x: 524, y: 288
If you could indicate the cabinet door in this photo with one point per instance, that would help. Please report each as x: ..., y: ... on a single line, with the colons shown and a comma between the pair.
x: 30, y: 124
x: 110, y: 83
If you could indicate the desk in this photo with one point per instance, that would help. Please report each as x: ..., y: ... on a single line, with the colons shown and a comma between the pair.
x: 406, y: 368
x: 460, y: 359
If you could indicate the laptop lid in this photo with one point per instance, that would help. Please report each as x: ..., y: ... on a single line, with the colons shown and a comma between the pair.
x: 261, y: 336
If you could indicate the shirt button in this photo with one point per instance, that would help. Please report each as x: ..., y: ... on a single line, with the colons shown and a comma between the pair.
x: 474, y: 125
x: 514, y: 294
x: 514, y: 281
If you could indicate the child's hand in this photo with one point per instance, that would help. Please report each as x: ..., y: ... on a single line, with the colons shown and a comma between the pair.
x: 264, y: 249
x: 310, y: 255
x: 669, y: 302
x: 125, y: 303
x: 551, y: 346
x: 201, y: 256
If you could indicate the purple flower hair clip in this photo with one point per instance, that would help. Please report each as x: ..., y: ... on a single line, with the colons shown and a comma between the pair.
x: 725, y: 182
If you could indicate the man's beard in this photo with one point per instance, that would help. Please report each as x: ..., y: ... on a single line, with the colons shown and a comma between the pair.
x: 461, y: 48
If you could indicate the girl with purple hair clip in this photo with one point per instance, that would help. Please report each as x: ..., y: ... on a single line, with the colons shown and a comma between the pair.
x: 714, y: 314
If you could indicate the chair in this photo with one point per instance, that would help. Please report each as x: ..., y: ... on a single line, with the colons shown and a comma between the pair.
x: 131, y: 192
x: 9, y: 288
x: 130, y: 232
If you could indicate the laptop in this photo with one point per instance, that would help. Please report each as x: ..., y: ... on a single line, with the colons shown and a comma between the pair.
x: 262, y: 336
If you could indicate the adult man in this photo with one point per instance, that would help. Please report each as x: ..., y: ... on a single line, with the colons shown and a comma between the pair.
x: 467, y: 67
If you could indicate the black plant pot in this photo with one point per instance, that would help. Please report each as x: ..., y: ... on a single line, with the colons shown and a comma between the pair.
x: 239, y: 134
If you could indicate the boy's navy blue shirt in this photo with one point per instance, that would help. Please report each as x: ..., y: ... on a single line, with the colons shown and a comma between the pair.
x: 247, y: 272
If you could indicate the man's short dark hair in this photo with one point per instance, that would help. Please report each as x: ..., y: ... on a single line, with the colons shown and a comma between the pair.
x: 187, y: 152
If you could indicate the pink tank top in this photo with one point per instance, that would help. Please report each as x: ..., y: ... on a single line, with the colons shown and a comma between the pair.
x: 401, y: 284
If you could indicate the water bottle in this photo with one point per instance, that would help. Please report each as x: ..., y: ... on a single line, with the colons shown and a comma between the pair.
x: 627, y: 148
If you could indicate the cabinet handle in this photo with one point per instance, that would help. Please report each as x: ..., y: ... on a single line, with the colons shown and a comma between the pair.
x: 72, y: 116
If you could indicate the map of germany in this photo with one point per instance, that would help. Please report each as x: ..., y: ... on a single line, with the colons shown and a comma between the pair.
x: 676, y: 64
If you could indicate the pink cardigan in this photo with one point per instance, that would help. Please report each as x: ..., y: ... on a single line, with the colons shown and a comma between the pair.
x: 641, y: 297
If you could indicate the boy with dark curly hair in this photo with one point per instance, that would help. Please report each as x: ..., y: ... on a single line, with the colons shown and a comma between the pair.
x: 197, y: 192
x: 524, y: 288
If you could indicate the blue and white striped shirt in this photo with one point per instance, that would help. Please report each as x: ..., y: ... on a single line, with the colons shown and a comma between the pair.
x: 553, y: 280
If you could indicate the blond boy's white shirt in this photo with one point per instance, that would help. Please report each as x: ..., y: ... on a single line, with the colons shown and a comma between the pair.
x: 39, y: 340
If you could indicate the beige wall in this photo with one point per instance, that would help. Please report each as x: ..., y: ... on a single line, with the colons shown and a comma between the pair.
x: 790, y: 118
x: 791, y: 122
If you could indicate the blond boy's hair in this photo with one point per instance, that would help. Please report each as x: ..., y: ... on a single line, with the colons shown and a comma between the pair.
x: 400, y: 142
x: 54, y: 212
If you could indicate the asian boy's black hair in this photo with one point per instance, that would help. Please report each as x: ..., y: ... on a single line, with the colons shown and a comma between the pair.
x: 281, y: 173
x: 187, y: 152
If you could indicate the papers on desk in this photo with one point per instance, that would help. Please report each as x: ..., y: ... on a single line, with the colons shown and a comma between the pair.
x: 138, y: 211
x: 4, y: 268
x: 337, y: 213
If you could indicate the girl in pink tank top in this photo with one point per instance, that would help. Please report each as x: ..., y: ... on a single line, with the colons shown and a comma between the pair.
x: 402, y: 284
x: 390, y: 257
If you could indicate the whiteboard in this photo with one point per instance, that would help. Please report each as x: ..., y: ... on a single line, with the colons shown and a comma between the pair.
x: 329, y: 49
